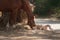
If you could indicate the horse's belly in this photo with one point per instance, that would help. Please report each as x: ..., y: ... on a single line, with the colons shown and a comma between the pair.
x: 9, y: 4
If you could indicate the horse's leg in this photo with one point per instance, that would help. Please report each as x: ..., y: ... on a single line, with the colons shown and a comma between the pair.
x: 28, y: 10
x: 12, y: 20
x: 4, y: 19
x: 19, y: 16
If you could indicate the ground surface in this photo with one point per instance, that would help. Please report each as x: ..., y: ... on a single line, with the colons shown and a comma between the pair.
x: 30, y: 35
x: 34, y: 34
x: 55, y: 24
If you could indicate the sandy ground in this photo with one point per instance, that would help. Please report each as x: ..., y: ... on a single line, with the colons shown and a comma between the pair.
x: 30, y: 35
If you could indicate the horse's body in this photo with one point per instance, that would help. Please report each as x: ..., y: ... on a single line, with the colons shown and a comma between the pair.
x: 13, y: 6
x: 10, y: 6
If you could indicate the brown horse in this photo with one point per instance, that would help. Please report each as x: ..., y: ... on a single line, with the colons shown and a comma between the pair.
x: 13, y: 6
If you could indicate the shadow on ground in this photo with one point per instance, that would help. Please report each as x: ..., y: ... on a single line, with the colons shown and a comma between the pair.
x: 29, y: 34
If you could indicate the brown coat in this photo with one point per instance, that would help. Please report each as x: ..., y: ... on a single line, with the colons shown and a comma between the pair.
x: 13, y: 6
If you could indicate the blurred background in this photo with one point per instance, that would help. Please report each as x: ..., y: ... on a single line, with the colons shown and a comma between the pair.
x: 47, y: 12
x: 47, y: 8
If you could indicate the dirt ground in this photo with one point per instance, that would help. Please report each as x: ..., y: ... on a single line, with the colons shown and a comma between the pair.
x: 29, y: 35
